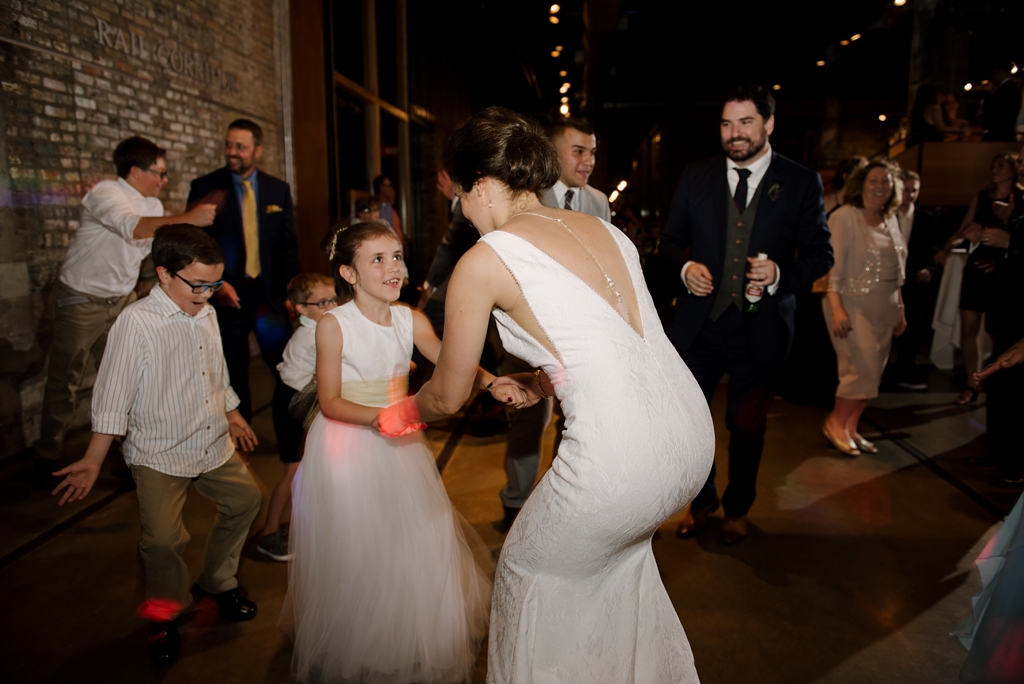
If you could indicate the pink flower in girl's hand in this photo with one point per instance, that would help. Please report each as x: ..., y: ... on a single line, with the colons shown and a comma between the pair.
x: 400, y: 419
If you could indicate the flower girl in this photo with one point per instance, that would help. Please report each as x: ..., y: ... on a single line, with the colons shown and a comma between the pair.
x: 384, y: 586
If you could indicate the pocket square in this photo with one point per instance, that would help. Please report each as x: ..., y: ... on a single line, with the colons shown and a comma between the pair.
x: 273, y: 209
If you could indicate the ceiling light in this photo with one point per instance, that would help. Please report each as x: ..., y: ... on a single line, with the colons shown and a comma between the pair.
x: 564, y: 109
x: 844, y: 42
x: 555, y: 8
x: 614, y: 196
x: 881, y: 117
x: 776, y: 87
x: 967, y: 86
x: 1013, y: 68
x: 555, y: 53
x: 565, y: 98
x: 621, y: 186
x: 563, y: 73
x: 553, y: 19
x: 559, y: 48
x: 565, y: 88
x: 899, y: 3
x: 820, y: 62
x: 855, y: 36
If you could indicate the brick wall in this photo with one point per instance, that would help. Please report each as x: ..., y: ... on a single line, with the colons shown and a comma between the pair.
x: 77, y: 76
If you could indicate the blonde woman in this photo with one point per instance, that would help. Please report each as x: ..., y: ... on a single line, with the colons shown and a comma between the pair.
x: 863, y: 307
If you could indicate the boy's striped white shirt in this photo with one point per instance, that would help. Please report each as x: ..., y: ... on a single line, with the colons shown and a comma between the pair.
x: 164, y: 382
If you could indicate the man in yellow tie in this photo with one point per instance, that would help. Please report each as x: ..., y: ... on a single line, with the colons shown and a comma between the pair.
x: 255, y: 228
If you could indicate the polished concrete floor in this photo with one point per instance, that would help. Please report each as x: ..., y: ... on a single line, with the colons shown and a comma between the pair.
x: 856, y: 569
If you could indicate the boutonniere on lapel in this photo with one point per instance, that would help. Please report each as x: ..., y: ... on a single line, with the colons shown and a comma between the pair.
x: 273, y: 209
x: 774, y: 192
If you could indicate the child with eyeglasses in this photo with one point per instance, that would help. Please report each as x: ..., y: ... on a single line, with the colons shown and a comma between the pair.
x: 163, y: 382
x: 312, y: 295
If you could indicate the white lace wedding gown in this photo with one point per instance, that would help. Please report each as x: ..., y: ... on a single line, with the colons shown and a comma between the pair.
x: 384, y: 587
x: 577, y: 594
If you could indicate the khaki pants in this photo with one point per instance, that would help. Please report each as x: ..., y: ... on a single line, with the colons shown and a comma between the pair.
x: 79, y: 333
x: 161, y: 499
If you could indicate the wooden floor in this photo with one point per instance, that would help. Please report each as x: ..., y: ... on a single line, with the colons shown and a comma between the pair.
x: 856, y: 570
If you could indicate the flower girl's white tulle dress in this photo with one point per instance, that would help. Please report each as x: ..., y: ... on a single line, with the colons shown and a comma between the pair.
x: 383, y: 587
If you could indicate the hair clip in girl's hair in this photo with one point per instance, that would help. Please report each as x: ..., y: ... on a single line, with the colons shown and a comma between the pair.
x: 334, y: 240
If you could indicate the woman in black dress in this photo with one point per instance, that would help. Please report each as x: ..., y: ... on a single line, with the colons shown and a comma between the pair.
x: 985, y: 227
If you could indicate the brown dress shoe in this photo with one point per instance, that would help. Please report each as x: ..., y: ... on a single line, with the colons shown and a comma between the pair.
x: 734, y: 529
x: 696, y: 519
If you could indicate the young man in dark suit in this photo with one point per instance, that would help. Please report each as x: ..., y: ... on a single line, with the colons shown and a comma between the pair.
x: 727, y: 210
x: 457, y: 241
x: 922, y: 234
x: 255, y: 228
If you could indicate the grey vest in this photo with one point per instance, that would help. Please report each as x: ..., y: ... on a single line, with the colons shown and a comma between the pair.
x: 738, y: 227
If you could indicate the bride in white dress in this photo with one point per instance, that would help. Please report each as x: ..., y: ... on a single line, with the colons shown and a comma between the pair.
x: 577, y: 595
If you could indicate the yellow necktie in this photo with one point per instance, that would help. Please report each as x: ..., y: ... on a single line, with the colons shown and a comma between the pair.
x: 251, y: 228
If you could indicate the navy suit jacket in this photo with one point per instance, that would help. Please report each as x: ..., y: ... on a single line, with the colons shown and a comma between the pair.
x: 279, y: 249
x: 789, y: 226
x: 926, y: 239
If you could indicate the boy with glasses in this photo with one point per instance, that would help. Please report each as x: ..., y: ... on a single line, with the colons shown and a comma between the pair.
x: 97, y: 280
x: 163, y: 383
x: 312, y: 295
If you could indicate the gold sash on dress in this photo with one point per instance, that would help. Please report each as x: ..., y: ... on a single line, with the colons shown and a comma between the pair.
x: 378, y: 393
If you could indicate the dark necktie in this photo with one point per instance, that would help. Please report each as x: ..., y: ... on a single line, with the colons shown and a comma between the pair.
x: 740, y: 196
x: 568, y: 198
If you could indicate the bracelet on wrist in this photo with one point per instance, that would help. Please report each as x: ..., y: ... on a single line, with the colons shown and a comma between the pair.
x: 540, y: 388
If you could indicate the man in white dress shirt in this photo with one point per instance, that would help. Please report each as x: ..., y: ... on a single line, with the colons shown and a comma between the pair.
x: 577, y: 146
x: 97, y: 280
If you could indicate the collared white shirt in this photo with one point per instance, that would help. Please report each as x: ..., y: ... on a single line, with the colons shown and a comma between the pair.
x: 103, y: 259
x: 298, y: 363
x: 757, y: 171
x: 906, y: 222
x: 164, y: 382
x: 560, y: 189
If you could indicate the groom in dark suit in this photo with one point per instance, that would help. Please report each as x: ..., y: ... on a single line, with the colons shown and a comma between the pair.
x: 727, y: 210
x: 255, y: 229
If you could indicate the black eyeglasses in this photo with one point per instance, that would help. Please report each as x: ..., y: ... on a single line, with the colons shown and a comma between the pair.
x: 200, y: 288
x: 322, y: 304
x: 162, y: 174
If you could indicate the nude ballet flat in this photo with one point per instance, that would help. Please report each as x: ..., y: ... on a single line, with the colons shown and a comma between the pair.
x: 864, y: 445
x: 845, y: 446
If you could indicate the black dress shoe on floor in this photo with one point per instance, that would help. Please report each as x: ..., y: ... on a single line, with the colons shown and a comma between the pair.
x: 510, y: 517
x: 231, y: 604
x: 1009, y: 480
x: 164, y: 642
x: 983, y: 462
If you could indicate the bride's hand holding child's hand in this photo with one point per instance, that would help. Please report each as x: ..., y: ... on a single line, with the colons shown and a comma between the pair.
x: 510, y: 395
x: 525, y: 389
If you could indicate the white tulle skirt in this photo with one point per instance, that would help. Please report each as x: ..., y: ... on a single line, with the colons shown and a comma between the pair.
x: 388, y: 583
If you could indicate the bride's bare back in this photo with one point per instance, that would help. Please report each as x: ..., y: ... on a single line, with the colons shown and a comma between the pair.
x: 568, y: 246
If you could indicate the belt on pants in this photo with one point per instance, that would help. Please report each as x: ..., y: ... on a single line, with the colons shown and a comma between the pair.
x: 81, y: 298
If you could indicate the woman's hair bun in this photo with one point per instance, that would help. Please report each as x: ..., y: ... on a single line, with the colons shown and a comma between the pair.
x: 498, y: 143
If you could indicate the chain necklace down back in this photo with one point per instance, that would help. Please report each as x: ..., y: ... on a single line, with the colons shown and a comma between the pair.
x: 608, y: 281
